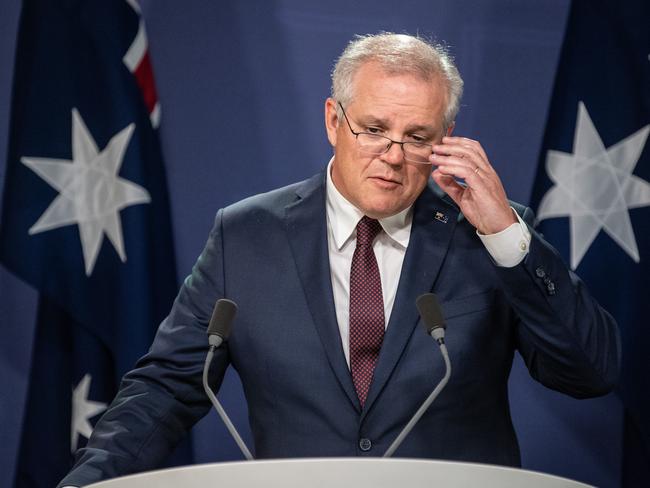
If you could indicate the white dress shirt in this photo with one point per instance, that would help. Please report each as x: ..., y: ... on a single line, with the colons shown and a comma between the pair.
x: 507, y: 248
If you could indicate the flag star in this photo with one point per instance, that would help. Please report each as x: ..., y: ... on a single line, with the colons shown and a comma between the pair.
x: 82, y: 411
x: 91, y: 194
x: 595, y: 188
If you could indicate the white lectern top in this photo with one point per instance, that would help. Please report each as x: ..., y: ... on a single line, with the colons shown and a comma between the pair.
x: 341, y: 472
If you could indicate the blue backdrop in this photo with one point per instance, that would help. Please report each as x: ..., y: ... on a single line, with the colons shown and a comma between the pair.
x: 242, y: 86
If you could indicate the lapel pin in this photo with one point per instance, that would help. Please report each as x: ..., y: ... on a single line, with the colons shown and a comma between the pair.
x: 440, y: 217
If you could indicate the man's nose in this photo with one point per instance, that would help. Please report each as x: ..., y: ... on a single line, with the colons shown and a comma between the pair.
x: 394, y: 155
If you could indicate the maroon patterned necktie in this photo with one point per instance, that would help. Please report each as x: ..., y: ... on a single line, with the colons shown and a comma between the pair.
x: 366, y: 308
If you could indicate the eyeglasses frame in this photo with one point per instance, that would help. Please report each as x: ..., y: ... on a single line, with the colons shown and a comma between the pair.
x: 391, y: 141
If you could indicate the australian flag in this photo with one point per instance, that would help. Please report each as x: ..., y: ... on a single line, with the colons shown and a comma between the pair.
x: 592, y: 191
x: 85, y: 216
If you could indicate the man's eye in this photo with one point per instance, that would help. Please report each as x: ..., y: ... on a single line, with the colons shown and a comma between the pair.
x: 373, y: 130
x: 417, y: 138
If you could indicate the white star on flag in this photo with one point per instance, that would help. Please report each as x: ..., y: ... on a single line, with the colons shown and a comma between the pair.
x: 595, y: 188
x: 90, y: 192
x: 82, y: 411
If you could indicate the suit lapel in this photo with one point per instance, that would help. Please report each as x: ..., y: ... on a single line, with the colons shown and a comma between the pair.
x: 434, y: 221
x: 306, y: 223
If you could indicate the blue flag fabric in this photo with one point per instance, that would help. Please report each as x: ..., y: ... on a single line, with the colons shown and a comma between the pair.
x: 592, y: 190
x: 85, y: 217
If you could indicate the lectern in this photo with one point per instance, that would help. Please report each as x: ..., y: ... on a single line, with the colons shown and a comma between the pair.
x: 341, y: 472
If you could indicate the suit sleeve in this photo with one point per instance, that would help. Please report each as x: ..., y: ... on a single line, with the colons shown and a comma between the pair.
x: 160, y: 400
x: 569, y: 343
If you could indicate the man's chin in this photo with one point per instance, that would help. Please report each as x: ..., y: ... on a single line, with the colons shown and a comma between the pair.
x: 382, y: 210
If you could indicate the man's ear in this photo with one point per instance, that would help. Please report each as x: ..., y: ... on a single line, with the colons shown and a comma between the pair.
x: 331, y: 120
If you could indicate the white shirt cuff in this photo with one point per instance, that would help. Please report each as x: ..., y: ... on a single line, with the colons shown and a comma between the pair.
x: 509, y: 247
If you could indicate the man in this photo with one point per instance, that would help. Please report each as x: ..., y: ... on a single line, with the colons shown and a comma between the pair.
x: 326, y: 273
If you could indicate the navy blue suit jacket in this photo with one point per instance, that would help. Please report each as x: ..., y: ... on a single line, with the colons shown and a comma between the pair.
x: 269, y: 254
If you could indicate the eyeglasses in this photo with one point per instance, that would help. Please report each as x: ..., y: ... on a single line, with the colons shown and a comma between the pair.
x: 369, y: 143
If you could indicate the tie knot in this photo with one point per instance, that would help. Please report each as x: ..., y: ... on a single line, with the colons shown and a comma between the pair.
x: 367, y: 230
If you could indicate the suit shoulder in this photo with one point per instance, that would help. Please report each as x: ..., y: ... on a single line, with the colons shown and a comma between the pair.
x: 270, y: 204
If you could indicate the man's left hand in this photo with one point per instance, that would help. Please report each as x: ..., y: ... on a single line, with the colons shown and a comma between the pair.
x: 482, y: 198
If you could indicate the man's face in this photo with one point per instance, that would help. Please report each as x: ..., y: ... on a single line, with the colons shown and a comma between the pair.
x: 401, y: 107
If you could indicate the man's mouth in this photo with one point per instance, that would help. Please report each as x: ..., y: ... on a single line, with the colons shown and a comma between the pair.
x: 385, y: 181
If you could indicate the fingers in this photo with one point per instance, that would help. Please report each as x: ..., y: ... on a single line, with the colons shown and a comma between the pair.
x: 461, y: 152
x: 449, y: 185
x: 462, y: 158
x: 463, y: 148
x: 445, y: 181
x: 482, y: 197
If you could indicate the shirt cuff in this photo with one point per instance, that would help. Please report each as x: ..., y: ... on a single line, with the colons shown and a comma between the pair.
x: 509, y: 247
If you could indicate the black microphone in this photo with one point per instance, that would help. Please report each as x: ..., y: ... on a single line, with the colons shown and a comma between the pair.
x: 218, y: 332
x: 431, y: 315
x: 434, y: 323
x: 221, y: 321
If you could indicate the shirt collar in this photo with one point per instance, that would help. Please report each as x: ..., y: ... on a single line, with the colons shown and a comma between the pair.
x: 343, y: 218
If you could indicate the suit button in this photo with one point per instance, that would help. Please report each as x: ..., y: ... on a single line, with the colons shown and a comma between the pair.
x: 540, y: 272
x: 365, y: 444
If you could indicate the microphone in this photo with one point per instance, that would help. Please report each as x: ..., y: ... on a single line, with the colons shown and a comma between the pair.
x: 218, y: 331
x: 221, y: 321
x: 434, y: 323
x: 431, y: 315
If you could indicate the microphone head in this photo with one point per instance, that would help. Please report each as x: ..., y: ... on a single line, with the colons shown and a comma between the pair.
x: 430, y: 312
x: 222, y: 317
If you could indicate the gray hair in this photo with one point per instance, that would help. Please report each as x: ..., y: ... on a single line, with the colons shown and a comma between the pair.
x: 398, y: 54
